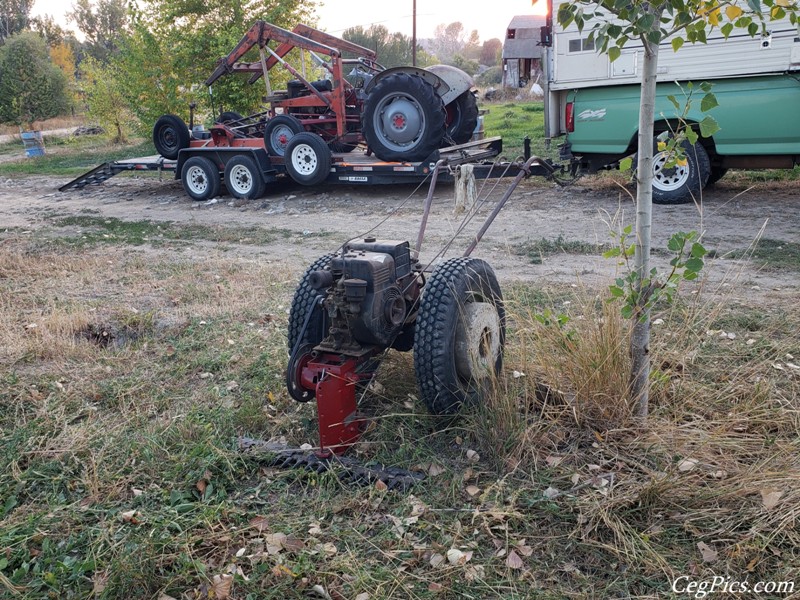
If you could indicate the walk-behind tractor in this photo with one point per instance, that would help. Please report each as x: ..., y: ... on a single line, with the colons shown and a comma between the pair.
x: 371, y: 295
x: 400, y: 114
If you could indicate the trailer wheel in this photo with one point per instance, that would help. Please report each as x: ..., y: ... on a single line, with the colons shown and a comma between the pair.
x: 308, y: 159
x: 170, y: 136
x: 200, y: 178
x: 462, y: 117
x: 303, y: 303
x: 278, y: 131
x: 681, y: 183
x: 460, y: 335
x: 404, y: 118
x: 243, y: 178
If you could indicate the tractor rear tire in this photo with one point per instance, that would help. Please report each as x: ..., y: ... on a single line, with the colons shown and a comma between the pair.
x: 460, y: 335
x: 308, y: 159
x: 462, y: 117
x: 300, y: 340
x: 200, y: 178
x: 404, y: 118
x: 279, y: 131
x: 243, y: 178
x: 170, y: 136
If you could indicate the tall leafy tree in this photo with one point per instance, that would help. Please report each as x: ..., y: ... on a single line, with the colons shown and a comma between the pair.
x: 14, y: 17
x: 32, y: 88
x: 174, y: 45
x: 102, y: 24
x: 107, y: 104
x: 491, y: 51
x: 393, y: 49
x: 613, y: 23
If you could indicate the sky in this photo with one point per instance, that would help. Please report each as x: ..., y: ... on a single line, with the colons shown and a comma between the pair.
x: 489, y: 17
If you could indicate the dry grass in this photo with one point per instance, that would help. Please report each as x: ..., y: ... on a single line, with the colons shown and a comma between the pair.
x: 592, y: 505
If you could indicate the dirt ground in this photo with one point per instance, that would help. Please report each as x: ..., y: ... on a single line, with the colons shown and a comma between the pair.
x: 316, y: 220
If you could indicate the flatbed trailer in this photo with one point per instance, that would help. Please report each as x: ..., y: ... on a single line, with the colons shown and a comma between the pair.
x: 352, y: 168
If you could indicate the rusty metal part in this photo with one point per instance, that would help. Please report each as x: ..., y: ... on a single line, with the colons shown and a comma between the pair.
x: 347, y: 468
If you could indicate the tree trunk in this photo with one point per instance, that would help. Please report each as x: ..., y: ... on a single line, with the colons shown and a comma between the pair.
x: 640, y: 335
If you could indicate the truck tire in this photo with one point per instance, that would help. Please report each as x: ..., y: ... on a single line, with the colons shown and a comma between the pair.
x: 170, y: 136
x: 680, y: 184
x: 460, y: 335
x: 278, y: 131
x: 403, y: 119
x: 200, y: 178
x: 229, y: 116
x: 302, y: 304
x: 308, y: 159
x: 462, y: 117
x: 243, y: 178
x: 717, y: 173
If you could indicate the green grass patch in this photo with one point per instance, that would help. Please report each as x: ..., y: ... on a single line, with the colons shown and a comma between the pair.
x: 772, y: 254
x: 514, y: 121
x: 70, y: 156
x: 536, y: 250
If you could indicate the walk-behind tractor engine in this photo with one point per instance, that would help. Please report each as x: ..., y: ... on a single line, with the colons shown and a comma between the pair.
x: 372, y: 295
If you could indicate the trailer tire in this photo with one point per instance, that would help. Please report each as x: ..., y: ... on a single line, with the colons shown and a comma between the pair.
x: 680, y: 184
x: 243, y: 178
x: 170, y: 136
x: 303, y: 302
x: 200, y: 178
x: 462, y: 117
x: 403, y: 119
x: 460, y: 335
x: 308, y: 159
x: 279, y: 131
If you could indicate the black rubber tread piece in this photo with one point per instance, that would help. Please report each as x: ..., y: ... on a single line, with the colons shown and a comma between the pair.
x: 699, y: 171
x: 432, y: 108
x: 465, y: 117
x: 211, y: 173
x: 256, y: 179
x: 302, y: 302
x: 170, y: 136
x: 229, y: 116
x: 288, y: 121
x: 716, y: 174
x: 452, y: 284
x: 310, y: 151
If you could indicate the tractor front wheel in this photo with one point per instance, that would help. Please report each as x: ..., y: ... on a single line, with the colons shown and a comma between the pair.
x: 278, y: 131
x: 460, y: 335
x: 403, y: 119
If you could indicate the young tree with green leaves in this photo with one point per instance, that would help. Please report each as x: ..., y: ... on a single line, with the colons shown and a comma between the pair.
x: 102, y: 89
x: 32, y: 88
x: 654, y: 23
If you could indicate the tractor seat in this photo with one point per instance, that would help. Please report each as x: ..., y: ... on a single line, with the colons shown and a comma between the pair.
x: 295, y: 87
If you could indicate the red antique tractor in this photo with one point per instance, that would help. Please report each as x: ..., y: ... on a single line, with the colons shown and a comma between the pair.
x: 401, y: 113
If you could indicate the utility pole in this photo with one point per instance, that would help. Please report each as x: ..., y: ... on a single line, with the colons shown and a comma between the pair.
x: 414, y: 35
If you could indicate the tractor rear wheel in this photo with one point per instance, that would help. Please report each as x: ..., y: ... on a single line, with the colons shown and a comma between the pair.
x: 170, y: 136
x: 404, y: 118
x: 460, y: 335
x: 302, y: 337
x: 462, y: 117
x: 278, y: 131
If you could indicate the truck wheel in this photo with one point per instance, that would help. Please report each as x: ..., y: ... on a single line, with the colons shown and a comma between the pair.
x: 462, y: 117
x: 460, y: 335
x: 243, y: 178
x: 278, y: 131
x: 200, y: 178
x: 681, y: 183
x: 717, y: 173
x: 170, y: 136
x: 403, y: 118
x: 302, y: 304
x: 308, y: 159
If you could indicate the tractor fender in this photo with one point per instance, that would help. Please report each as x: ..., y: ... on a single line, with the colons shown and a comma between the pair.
x: 456, y: 80
x: 440, y: 85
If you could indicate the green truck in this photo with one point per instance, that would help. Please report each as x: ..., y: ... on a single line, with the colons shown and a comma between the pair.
x: 592, y: 104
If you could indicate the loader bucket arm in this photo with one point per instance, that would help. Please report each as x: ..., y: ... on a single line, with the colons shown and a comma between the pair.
x: 257, y: 37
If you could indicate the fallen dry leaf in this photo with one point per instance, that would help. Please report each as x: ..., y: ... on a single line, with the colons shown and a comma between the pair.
x: 435, y: 470
x: 282, y: 571
x: 259, y: 523
x: 473, y: 490
x: 513, y: 561
x: 314, y: 529
x: 551, y: 493
x: 436, y: 560
x: 473, y: 456
x: 457, y: 557
x: 770, y: 498
x: 221, y: 584
x: 131, y: 516
x: 709, y: 554
x: 293, y: 544
x: 435, y: 587
x: 363, y: 596
x: 553, y: 461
